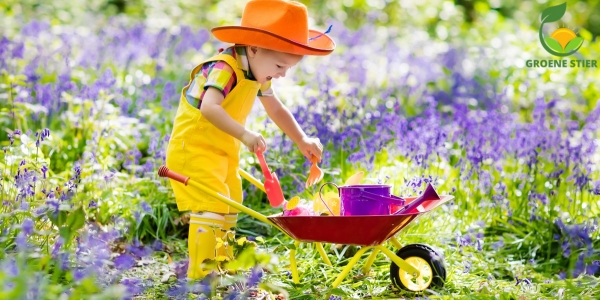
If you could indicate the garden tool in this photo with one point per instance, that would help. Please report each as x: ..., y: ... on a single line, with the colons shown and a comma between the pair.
x: 272, y: 187
x: 355, y: 179
x: 316, y: 174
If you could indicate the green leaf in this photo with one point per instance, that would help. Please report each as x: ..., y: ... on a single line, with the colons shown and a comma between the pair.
x: 554, y: 13
x: 573, y: 44
x: 57, y: 218
x: 76, y: 219
x: 553, y: 44
x: 338, y: 292
x: 65, y: 233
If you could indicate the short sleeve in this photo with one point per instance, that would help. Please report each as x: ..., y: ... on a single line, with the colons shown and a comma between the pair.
x: 221, y: 77
x: 266, y: 89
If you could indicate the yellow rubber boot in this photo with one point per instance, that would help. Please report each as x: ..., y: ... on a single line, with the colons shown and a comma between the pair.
x: 230, y: 222
x: 205, y: 227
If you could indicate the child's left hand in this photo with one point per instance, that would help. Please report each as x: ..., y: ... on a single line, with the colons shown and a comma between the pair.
x: 311, y: 146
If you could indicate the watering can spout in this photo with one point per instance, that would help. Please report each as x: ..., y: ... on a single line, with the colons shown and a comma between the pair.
x: 428, y: 194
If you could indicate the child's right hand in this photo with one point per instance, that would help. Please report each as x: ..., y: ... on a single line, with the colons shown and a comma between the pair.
x: 254, y: 141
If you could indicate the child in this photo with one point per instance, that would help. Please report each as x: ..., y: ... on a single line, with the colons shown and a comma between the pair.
x: 209, y: 126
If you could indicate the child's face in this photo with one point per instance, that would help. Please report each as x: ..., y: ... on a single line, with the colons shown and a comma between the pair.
x: 267, y: 64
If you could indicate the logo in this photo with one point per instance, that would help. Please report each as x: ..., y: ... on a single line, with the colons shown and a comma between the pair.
x: 563, y: 41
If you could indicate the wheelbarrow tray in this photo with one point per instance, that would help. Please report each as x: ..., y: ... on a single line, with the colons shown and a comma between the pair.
x: 369, y: 230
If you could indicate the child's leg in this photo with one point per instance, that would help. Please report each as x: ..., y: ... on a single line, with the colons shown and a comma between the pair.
x: 230, y: 221
x: 205, y: 227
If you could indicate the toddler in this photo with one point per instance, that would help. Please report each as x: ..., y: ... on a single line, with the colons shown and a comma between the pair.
x: 209, y: 126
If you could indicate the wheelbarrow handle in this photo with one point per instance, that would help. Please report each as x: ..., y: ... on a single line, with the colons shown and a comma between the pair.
x: 163, y: 171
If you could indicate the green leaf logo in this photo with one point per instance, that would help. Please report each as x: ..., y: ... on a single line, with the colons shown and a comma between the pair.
x: 574, y: 44
x: 563, y: 41
x: 554, y: 13
x: 553, y: 44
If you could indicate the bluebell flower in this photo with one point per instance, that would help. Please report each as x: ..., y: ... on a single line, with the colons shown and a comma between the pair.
x: 146, y: 207
x: 138, y: 249
x: 134, y: 285
x: 21, y: 241
x: 180, y: 268
x: 255, y: 276
x: 179, y: 289
x: 27, y: 226
x: 157, y: 245
x: 202, y: 287
x: 124, y: 262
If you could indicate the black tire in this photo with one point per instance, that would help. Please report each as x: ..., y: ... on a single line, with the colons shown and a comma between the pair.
x: 432, y: 257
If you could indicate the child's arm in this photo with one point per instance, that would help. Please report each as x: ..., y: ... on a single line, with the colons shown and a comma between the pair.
x: 284, y: 119
x: 213, y: 111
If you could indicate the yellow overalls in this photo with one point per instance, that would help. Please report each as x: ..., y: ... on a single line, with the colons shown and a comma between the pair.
x: 210, y: 156
x: 200, y: 150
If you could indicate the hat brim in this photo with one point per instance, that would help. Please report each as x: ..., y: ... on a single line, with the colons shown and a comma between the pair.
x: 322, y: 45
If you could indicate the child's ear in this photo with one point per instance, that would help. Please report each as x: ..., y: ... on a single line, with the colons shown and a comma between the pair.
x: 252, y: 51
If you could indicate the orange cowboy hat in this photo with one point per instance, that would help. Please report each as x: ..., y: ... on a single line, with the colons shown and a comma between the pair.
x: 278, y: 25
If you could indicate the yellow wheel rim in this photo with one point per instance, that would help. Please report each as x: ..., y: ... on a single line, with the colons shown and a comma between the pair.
x: 417, y: 283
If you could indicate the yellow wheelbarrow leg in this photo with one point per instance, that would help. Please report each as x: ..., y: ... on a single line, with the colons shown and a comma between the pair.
x: 396, y: 243
x: 323, y: 254
x: 399, y: 261
x: 370, y: 261
x: 349, y: 266
x: 293, y: 265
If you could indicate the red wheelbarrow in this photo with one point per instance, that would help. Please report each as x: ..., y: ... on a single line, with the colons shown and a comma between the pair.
x: 415, y: 267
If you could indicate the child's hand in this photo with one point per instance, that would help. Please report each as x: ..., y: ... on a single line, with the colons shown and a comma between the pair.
x: 253, y: 141
x: 311, y: 146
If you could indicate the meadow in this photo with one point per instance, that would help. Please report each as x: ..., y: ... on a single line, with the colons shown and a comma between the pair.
x: 413, y: 94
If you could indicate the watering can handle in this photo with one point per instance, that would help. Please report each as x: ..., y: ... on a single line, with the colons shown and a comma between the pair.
x: 321, y: 196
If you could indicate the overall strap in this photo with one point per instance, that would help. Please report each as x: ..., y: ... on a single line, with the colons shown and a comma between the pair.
x: 230, y: 60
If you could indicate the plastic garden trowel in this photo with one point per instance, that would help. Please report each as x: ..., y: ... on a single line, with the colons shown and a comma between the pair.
x: 272, y: 187
x: 355, y: 179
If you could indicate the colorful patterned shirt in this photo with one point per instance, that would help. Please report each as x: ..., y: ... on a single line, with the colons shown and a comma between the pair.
x: 214, y: 74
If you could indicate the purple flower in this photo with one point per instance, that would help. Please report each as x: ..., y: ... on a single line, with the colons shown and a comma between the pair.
x: 202, y: 287
x: 468, y: 266
x: 27, y: 226
x: 44, y: 169
x: 157, y: 245
x: 124, y: 262
x: 80, y: 274
x: 139, y: 250
x: 255, y: 276
x: 179, y: 289
x: 9, y: 266
x: 146, y: 207
x: 21, y: 241
x: 180, y: 268
x: 134, y: 286
x: 57, y: 246
x: 596, y: 188
x: 479, y: 245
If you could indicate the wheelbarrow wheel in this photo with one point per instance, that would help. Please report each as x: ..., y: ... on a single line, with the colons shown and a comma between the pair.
x: 429, y: 263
